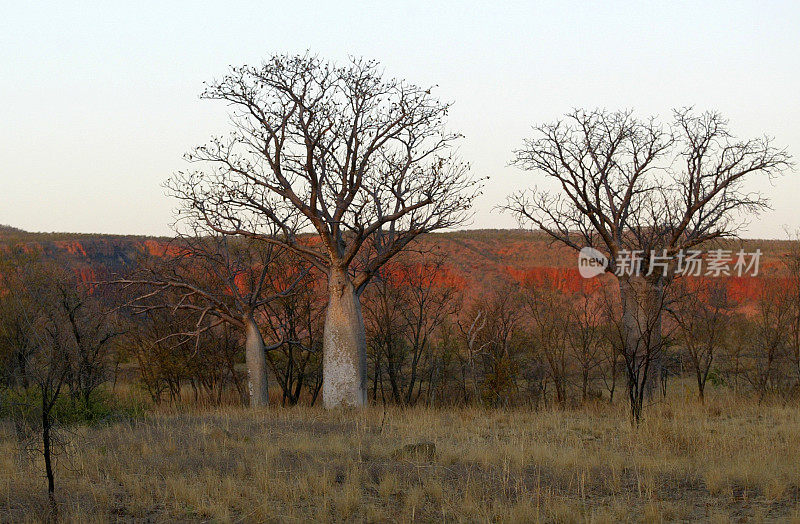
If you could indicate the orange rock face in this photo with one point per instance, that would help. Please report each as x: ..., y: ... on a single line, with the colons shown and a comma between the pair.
x: 476, y: 262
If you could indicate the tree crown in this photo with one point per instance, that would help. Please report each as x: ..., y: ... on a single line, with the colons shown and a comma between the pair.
x: 362, y: 161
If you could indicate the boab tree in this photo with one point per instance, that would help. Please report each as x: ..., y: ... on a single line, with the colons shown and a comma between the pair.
x: 217, y: 280
x: 361, y: 161
x: 627, y: 185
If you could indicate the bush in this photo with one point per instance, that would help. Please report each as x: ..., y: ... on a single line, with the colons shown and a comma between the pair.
x: 102, y: 407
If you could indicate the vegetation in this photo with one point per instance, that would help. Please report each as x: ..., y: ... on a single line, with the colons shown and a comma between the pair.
x: 629, y: 186
x: 363, y: 161
x: 729, y: 459
x: 304, y: 273
x: 517, y: 389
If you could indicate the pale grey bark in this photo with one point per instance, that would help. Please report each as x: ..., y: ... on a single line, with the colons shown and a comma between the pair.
x: 256, y: 360
x: 627, y: 184
x: 364, y: 163
x: 344, y: 361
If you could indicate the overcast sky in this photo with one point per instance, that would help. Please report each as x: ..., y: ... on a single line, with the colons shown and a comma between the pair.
x: 99, y: 102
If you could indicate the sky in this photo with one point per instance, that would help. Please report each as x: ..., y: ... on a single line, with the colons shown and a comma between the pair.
x: 99, y: 101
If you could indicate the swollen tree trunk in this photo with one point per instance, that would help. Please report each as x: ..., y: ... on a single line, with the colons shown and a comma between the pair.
x: 344, y: 361
x: 256, y: 360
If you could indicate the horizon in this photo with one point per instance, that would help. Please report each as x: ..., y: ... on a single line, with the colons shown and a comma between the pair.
x: 787, y: 239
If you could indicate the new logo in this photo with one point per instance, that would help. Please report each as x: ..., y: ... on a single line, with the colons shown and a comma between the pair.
x: 591, y: 262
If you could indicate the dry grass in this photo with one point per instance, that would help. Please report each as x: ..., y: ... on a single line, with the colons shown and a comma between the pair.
x: 721, y: 462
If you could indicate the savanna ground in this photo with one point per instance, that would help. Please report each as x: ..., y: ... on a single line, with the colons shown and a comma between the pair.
x: 725, y: 461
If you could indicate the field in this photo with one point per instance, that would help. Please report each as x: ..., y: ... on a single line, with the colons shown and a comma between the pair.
x: 725, y: 461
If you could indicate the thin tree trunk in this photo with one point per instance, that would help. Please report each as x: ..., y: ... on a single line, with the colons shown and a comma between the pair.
x: 47, y: 424
x: 256, y: 360
x: 391, y: 368
x: 315, y: 394
x: 584, y: 384
x: 642, y: 301
x: 23, y: 371
x: 344, y: 360
x: 236, y: 382
x: 413, y: 379
x: 655, y: 302
x: 375, y: 377
x: 613, y: 381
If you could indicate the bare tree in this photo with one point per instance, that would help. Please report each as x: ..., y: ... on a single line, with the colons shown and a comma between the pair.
x: 405, y: 309
x: 219, y: 279
x: 60, y: 338
x: 15, y: 344
x: 494, y: 344
x: 586, y: 336
x: 613, y: 339
x: 46, y: 364
x: 703, y: 316
x: 549, y: 313
x: 363, y: 162
x: 90, y: 333
x: 792, y: 262
x: 446, y: 373
x: 767, y: 359
x: 386, y: 333
x: 296, y: 318
x: 469, y: 361
x: 162, y: 364
x: 428, y: 303
x: 634, y: 186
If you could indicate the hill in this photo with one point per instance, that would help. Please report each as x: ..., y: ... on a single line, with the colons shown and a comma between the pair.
x: 477, y: 261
